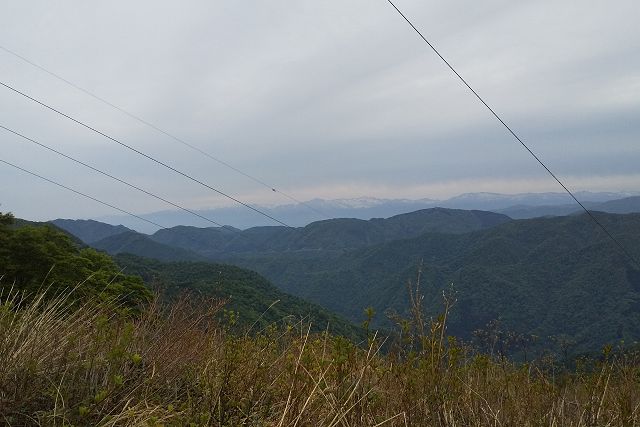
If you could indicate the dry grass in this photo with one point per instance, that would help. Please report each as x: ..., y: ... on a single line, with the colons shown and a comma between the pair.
x: 174, y: 365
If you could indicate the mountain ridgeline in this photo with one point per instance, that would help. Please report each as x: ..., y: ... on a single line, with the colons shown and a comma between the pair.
x: 543, y: 277
x: 37, y: 257
x: 89, y: 231
x: 517, y: 206
x: 135, y: 243
x: 252, y: 298
x: 334, y: 234
x: 619, y: 206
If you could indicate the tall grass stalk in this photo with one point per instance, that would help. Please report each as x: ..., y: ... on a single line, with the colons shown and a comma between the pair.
x: 93, y: 365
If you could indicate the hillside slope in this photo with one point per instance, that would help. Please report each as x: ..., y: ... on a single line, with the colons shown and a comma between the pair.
x: 542, y: 276
x: 39, y: 257
x: 618, y: 206
x: 89, y: 231
x: 545, y: 276
x: 253, y: 297
x: 140, y: 244
x: 334, y: 234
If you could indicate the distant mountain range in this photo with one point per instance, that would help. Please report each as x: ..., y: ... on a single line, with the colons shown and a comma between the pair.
x: 527, y: 205
x: 541, y: 276
x: 619, y: 206
x: 89, y: 231
x: 192, y: 243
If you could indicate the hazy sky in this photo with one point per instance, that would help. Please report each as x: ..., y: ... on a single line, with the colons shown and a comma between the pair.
x: 328, y: 99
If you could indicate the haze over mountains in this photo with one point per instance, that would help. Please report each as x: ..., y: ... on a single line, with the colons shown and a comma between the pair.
x: 334, y: 234
x: 539, y: 276
x: 526, y: 205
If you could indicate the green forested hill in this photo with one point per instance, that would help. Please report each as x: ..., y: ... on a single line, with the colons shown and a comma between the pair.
x: 249, y: 294
x: 192, y: 243
x: 330, y: 234
x: 140, y: 244
x: 543, y: 276
x: 89, y: 231
x: 36, y: 257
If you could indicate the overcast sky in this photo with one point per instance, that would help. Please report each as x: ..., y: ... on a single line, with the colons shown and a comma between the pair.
x: 321, y: 99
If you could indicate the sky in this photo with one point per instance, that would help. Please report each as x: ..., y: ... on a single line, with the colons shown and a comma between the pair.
x: 327, y: 99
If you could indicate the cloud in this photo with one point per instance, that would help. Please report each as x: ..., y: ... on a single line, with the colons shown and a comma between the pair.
x: 328, y: 99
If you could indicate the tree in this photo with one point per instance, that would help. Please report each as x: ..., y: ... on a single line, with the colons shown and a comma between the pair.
x: 6, y: 219
x: 34, y: 258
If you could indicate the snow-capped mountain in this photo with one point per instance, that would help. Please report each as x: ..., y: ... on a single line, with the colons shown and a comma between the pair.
x: 365, y: 208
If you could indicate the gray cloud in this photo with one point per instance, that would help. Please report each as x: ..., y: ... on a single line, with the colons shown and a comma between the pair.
x: 322, y: 99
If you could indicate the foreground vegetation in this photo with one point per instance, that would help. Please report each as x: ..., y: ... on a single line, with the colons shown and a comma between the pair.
x: 81, y: 344
x: 41, y: 257
x: 176, y: 365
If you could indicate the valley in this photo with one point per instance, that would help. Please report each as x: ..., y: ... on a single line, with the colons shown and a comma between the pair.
x: 541, y: 277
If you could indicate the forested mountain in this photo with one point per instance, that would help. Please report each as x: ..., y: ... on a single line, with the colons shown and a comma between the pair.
x: 331, y: 234
x: 253, y: 298
x: 184, y: 243
x: 89, y: 231
x: 142, y: 245
x: 299, y: 215
x: 619, y: 206
x: 528, y: 212
x: 37, y: 256
x: 543, y: 277
x: 40, y: 257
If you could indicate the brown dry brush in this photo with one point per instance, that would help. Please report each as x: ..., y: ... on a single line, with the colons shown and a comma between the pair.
x: 177, y: 365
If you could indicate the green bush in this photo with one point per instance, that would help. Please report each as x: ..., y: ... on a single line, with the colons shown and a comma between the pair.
x: 34, y: 258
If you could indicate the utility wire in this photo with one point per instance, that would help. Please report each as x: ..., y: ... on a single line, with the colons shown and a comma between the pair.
x: 153, y: 159
x: 164, y: 132
x: 81, y: 194
x: 620, y: 246
x: 80, y: 162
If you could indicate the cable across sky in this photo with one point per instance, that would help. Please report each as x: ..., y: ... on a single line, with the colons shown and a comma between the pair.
x: 162, y: 131
x: 82, y: 194
x: 122, y: 181
x: 141, y: 153
x: 620, y: 246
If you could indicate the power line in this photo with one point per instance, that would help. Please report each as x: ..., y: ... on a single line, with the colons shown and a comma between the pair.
x: 620, y: 246
x: 153, y: 159
x: 112, y: 177
x: 164, y: 132
x: 81, y: 194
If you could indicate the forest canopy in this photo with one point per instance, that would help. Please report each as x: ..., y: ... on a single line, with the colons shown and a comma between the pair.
x: 37, y: 257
